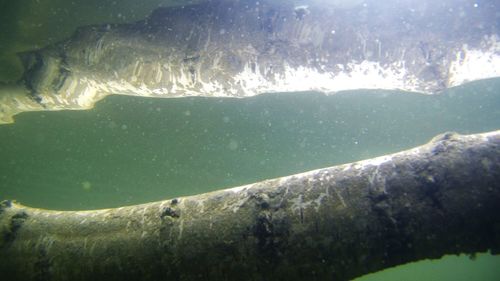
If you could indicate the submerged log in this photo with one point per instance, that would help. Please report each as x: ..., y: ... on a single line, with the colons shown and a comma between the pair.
x: 334, y: 223
x: 230, y: 48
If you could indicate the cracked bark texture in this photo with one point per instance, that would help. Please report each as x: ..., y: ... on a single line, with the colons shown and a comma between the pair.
x: 335, y: 223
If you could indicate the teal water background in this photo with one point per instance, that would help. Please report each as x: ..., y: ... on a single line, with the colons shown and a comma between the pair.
x: 130, y: 150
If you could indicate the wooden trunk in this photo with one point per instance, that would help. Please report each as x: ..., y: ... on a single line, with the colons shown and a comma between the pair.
x: 334, y: 223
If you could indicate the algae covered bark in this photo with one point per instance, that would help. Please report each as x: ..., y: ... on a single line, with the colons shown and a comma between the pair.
x: 334, y: 223
x: 244, y: 48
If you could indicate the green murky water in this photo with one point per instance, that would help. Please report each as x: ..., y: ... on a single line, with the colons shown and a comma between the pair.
x: 130, y: 150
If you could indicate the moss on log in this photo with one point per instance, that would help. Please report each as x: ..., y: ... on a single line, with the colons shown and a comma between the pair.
x: 334, y: 223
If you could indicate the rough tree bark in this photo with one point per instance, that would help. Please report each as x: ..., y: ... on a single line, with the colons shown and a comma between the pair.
x: 230, y: 48
x: 335, y: 223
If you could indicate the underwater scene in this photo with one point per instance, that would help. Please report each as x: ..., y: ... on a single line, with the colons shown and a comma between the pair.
x: 104, y: 105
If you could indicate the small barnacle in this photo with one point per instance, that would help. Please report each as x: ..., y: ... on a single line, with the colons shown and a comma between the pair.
x: 6, y: 203
x: 441, y: 142
x: 445, y: 136
x: 169, y: 212
x: 301, y: 12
